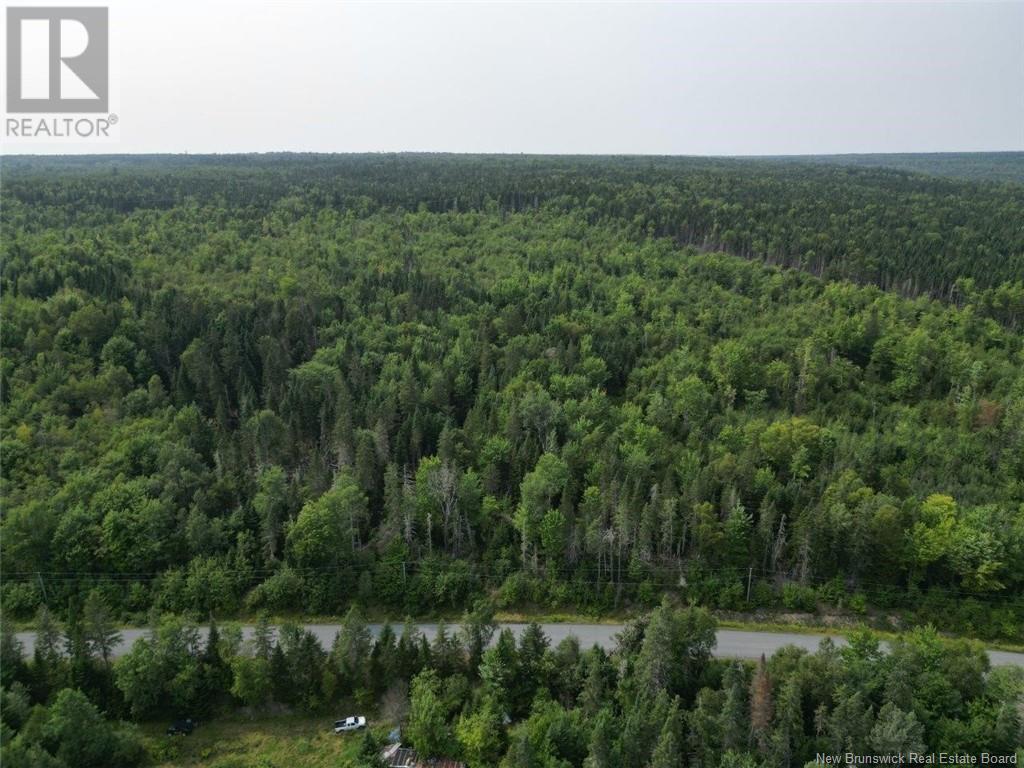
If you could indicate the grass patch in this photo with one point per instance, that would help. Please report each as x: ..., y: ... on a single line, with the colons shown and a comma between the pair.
x: 542, y: 617
x: 265, y: 741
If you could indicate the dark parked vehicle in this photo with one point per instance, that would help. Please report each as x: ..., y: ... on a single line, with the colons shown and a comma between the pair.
x: 182, y: 727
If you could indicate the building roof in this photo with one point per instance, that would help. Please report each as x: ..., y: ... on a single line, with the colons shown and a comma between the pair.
x: 397, y: 756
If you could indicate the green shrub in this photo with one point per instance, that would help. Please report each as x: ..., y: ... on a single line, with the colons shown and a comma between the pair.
x: 559, y: 593
x: 648, y: 594
x: 732, y: 597
x: 164, y: 750
x: 21, y: 600
x: 1008, y: 624
x: 518, y: 589
x: 454, y: 584
x: 170, y: 591
x: 763, y: 596
x: 281, y: 593
x: 858, y: 603
x: 797, y: 597
x: 833, y: 592
x: 210, y: 586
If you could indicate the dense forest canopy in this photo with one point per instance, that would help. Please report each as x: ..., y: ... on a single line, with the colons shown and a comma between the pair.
x: 912, y: 233
x: 979, y: 166
x: 415, y: 384
x: 287, y: 382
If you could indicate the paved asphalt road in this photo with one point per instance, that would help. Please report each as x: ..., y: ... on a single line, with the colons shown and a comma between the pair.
x: 732, y: 643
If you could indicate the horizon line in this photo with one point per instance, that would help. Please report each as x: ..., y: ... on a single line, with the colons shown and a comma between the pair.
x: 747, y: 156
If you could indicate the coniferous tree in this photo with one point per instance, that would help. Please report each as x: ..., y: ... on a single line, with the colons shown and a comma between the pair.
x: 762, y: 708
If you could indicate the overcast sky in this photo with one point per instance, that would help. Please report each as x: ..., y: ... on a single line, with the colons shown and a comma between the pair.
x: 658, y: 78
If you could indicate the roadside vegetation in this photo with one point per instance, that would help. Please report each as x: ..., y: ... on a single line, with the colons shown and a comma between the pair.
x: 657, y: 699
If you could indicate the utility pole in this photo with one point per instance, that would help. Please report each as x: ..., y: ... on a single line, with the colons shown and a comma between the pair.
x: 750, y: 577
